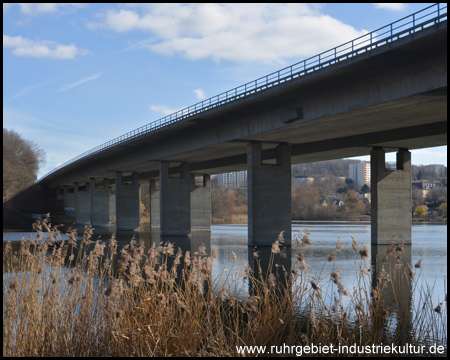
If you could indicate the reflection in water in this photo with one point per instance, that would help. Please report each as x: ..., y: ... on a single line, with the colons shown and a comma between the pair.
x: 393, y: 262
x: 230, y: 241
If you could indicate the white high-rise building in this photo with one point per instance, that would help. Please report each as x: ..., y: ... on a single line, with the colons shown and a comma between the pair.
x: 360, y: 174
x: 233, y: 179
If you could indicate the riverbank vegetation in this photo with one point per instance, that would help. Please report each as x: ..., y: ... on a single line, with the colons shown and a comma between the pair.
x: 94, y: 298
x: 309, y: 202
x: 320, y: 191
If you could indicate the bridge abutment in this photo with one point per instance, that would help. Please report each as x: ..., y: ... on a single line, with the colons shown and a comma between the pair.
x: 99, y: 204
x: 175, y: 202
x: 269, y: 196
x: 391, y: 194
x: 82, y: 196
x: 128, y: 203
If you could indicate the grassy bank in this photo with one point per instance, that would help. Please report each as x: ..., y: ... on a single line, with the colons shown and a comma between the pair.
x: 62, y: 300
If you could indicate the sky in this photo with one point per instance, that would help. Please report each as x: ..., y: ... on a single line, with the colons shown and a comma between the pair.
x: 78, y: 75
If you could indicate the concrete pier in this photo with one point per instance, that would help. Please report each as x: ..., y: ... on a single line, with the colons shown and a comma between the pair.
x: 128, y: 203
x: 201, y: 203
x: 391, y: 198
x: 269, y: 196
x: 175, y: 208
x: 154, y: 204
x: 112, y: 203
x: 82, y: 195
x: 69, y: 197
x: 99, y: 204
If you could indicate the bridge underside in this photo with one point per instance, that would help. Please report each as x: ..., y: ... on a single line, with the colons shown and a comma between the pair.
x: 389, y: 99
x: 411, y: 123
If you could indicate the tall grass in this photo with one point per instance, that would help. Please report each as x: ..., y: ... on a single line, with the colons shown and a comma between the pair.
x: 91, y: 298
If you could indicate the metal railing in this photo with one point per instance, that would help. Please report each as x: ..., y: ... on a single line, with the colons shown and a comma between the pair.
x: 410, y: 24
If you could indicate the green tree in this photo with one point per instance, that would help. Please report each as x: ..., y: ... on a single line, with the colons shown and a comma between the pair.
x: 350, y: 183
x: 420, y: 210
x: 365, y: 189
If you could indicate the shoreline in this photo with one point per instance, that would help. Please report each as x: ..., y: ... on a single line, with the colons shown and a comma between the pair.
x: 415, y: 221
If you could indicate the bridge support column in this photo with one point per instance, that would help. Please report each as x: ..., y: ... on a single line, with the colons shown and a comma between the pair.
x: 100, y: 204
x: 82, y: 195
x: 69, y: 197
x: 269, y: 196
x: 128, y: 203
x: 175, y: 207
x: 391, y: 195
x: 112, y: 203
x: 201, y: 203
x: 154, y: 204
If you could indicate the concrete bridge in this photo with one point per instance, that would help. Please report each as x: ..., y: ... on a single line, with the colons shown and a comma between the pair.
x: 383, y: 92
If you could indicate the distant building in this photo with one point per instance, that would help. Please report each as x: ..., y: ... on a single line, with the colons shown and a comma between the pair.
x: 359, y: 173
x: 365, y: 196
x: 233, y: 179
x: 423, y: 186
x: 302, y: 180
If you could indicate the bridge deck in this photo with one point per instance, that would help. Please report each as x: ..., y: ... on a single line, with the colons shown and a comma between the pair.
x: 394, y: 96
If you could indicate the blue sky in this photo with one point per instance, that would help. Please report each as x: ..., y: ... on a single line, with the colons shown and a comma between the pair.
x: 78, y: 75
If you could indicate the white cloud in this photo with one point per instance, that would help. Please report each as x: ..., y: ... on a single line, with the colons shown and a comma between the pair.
x: 235, y: 32
x: 41, y: 48
x: 391, y: 6
x: 77, y: 83
x: 38, y: 8
x: 200, y: 94
x: 165, y: 110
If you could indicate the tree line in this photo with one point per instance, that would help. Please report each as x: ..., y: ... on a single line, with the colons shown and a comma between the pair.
x: 21, y: 161
x: 309, y: 201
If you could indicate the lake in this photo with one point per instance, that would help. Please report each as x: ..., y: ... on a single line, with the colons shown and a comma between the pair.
x: 429, y: 244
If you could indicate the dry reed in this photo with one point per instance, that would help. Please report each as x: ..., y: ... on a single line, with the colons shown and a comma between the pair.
x: 88, y: 298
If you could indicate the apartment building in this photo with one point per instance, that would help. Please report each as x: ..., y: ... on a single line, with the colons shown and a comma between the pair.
x: 233, y: 179
x: 359, y: 173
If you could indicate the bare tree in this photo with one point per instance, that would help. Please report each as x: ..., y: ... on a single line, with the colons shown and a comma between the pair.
x: 21, y: 161
x: 437, y: 195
